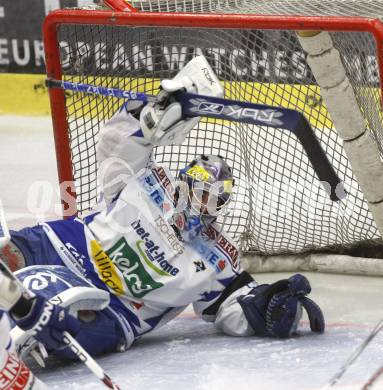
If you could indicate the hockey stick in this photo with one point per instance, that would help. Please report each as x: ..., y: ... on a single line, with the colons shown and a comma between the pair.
x: 334, y: 380
x: 236, y: 111
x: 20, y: 337
x: 84, y: 356
x: 373, y: 379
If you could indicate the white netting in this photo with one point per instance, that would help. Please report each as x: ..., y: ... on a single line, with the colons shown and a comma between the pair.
x: 280, y: 206
x: 366, y: 8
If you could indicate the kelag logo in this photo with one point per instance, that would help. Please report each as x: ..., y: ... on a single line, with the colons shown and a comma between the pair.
x: 137, y: 279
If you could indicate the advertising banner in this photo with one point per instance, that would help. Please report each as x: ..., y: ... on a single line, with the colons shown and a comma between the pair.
x: 21, y: 46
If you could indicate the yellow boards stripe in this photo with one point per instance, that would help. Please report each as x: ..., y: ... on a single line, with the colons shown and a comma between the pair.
x: 23, y: 94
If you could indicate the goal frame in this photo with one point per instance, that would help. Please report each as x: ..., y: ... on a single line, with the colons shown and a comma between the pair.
x: 120, y: 5
x: 187, y: 20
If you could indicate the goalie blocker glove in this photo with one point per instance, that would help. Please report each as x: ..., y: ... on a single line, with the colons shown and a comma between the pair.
x: 274, y: 310
x: 161, y: 121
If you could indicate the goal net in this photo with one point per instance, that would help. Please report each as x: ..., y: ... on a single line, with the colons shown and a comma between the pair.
x: 279, y: 204
x: 366, y: 8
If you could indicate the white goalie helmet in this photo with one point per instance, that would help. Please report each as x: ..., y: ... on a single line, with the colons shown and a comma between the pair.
x: 208, y: 187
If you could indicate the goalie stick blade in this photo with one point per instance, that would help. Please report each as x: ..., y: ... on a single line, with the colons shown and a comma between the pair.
x: 276, y: 117
x: 4, y: 232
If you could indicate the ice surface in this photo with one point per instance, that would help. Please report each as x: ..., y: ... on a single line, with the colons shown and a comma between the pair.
x: 188, y: 353
x: 28, y: 164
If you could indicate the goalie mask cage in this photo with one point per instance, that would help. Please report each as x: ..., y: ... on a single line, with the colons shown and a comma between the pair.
x: 279, y: 205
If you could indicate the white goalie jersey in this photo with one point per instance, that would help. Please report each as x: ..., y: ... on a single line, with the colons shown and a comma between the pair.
x: 131, y: 248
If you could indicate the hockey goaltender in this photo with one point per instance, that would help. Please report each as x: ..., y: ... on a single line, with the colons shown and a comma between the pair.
x: 153, y: 247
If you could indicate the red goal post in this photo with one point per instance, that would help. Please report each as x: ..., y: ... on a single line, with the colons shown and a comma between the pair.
x: 111, y: 24
x: 120, y: 5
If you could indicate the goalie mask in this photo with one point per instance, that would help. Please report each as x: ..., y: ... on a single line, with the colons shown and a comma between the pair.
x: 207, y: 189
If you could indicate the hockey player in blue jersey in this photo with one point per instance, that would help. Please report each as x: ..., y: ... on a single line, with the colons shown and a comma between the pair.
x: 153, y: 248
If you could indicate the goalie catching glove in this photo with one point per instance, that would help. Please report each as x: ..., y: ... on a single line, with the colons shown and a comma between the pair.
x: 274, y: 310
x: 161, y: 121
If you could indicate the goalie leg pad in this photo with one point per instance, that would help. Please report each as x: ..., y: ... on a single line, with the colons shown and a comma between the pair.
x: 99, y: 334
x: 34, y: 247
x: 100, y: 330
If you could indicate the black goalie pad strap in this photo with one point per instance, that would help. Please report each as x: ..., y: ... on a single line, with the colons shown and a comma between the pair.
x: 241, y: 280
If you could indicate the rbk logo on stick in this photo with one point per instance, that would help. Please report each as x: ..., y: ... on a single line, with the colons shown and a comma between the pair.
x: 236, y: 112
x: 212, y: 108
